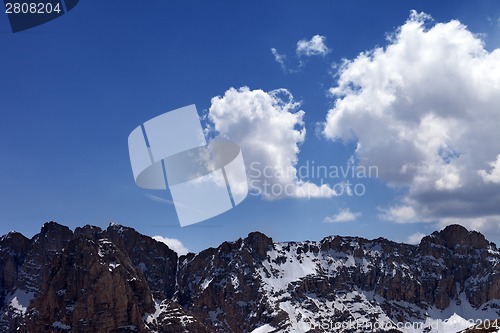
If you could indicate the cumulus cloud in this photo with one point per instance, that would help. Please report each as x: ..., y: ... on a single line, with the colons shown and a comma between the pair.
x: 415, y: 238
x: 424, y: 110
x: 174, y: 244
x: 315, y: 46
x: 269, y: 128
x: 344, y: 215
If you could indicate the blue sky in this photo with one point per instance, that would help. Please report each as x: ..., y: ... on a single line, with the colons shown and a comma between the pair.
x: 73, y: 89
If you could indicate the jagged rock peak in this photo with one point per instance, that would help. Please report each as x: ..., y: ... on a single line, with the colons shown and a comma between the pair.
x: 54, y: 227
x: 89, y: 231
x: 15, y: 240
x: 456, y: 235
x: 258, y: 238
x: 259, y: 243
x: 118, y: 228
x: 11, y: 235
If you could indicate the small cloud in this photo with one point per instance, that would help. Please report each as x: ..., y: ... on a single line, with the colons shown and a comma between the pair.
x: 399, y: 214
x: 279, y: 58
x: 415, y: 238
x: 315, y: 46
x: 344, y: 215
x: 310, y: 190
x: 493, y: 21
x: 174, y: 244
x: 492, y: 176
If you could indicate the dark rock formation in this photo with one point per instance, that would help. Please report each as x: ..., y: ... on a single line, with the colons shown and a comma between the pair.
x: 117, y: 280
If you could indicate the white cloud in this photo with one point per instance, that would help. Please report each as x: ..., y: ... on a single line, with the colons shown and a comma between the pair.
x: 399, y: 214
x: 415, y: 238
x: 315, y: 46
x: 279, y: 58
x: 492, y: 176
x: 269, y: 128
x: 174, y: 244
x: 424, y: 110
x: 344, y: 215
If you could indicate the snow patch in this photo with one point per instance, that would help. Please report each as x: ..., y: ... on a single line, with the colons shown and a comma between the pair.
x: 264, y: 329
x: 214, y: 314
x: 20, y: 300
x: 278, y: 277
x: 112, y: 266
x: 206, y: 283
x: 152, y: 317
x: 61, y: 326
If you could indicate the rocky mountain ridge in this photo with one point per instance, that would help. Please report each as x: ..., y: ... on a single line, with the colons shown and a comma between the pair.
x: 117, y: 280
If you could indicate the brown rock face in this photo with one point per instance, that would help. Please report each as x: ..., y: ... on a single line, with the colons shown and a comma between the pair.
x: 13, y: 250
x: 224, y: 299
x: 89, y: 281
x: 117, y: 280
x: 467, y: 258
x: 155, y: 261
x: 93, y: 281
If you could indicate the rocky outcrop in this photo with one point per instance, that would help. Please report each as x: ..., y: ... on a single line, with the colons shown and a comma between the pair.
x: 448, y: 268
x: 92, y: 280
x: 221, y: 286
x: 117, y: 280
x: 468, y: 263
x: 155, y: 261
x: 13, y: 250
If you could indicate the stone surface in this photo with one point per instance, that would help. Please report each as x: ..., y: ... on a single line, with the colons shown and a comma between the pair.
x: 117, y: 280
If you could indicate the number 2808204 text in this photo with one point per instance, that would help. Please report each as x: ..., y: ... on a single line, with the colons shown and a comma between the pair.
x: 31, y: 8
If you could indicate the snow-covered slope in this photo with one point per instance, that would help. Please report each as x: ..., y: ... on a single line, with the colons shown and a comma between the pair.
x: 344, y: 284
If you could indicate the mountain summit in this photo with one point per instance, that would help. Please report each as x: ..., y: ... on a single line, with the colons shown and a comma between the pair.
x: 117, y: 280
